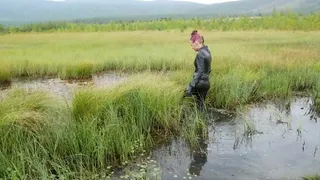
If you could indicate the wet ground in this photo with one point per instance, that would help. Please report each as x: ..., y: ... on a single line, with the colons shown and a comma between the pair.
x: 64, y: 88
x: 263, y: 143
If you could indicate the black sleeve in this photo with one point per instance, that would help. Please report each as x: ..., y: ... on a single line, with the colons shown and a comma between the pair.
x: 201, y: 68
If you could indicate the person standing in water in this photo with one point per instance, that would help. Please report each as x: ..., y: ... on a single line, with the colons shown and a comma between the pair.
x: 200, y: 83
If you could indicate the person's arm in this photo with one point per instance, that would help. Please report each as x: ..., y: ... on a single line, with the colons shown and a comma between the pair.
x: 201, y: 68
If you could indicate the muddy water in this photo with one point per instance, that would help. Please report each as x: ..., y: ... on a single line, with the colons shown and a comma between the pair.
x: 64, y: 88
x: 284, y: 144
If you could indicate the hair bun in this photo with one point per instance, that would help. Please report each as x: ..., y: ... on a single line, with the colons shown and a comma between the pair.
x: 194, y: 32
x: 195, y: 36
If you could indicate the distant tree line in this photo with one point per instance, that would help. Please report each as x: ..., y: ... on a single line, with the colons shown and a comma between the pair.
x: 277, y: 21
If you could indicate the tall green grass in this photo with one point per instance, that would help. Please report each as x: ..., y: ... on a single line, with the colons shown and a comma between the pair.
x: 317, y: 103
x: 26, y: 120
x: 82, y: 70
x: 247, y: 66
x: 41, y: 137
x: 316, y: 95
x: 5, y: 75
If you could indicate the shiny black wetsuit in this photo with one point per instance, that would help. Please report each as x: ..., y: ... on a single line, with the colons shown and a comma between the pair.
x: 201, y: 83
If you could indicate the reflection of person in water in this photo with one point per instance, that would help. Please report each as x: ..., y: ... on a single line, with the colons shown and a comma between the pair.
x: 199, y: 156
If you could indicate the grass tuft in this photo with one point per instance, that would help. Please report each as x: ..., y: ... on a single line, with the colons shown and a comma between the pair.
x: 25, y: 108
x: 5, y: 75
x: 82, y: 70
x: 27, y: 120
x: 316, y: 95
x: 315, y: 177
x: 102, y: 128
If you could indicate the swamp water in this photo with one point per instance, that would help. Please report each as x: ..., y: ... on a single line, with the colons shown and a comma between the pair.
x: 263, y: 143
x: 266, y: 142
x: 64, y: 88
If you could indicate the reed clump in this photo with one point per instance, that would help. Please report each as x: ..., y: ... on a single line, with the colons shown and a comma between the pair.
x: 102, y: 128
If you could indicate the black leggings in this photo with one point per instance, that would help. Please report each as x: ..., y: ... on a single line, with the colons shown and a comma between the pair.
x: 200, y: 97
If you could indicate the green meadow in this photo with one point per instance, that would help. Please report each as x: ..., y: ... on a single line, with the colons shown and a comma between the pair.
x: 42, y: 136
x: 247, y: 65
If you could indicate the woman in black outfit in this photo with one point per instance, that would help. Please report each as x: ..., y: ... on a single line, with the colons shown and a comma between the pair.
x: 200, y: 83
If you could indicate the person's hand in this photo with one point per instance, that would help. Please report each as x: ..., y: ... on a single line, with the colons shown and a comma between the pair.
x: 188, y: 91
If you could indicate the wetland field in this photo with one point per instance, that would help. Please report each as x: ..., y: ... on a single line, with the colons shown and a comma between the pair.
x: 108, y: 105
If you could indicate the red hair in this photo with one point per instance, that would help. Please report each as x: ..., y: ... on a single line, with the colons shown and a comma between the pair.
x: 195, y: 36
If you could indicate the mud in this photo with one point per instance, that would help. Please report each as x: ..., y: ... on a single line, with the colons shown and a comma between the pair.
x: 264, y: 142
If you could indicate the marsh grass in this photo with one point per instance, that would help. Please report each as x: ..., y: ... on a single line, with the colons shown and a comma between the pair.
x: 82, y: 70
x: 102, y: 128
x: 247, y: 66
x: 315, y: 177
x: 79, y: 56
x: 316, y: 96
x: 105, y: 127
x: 26, y: 118
x: 5, y: 75
x: 318, y: 103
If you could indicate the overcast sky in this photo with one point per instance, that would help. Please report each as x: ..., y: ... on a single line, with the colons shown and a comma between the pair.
x: 198, y: 1
x: 208, y: 1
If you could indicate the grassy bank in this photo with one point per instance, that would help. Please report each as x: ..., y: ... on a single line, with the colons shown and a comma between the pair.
x: 42, y: 137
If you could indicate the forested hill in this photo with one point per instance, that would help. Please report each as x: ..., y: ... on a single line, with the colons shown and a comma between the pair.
x: 26, y: 11
x: 256, y: 7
